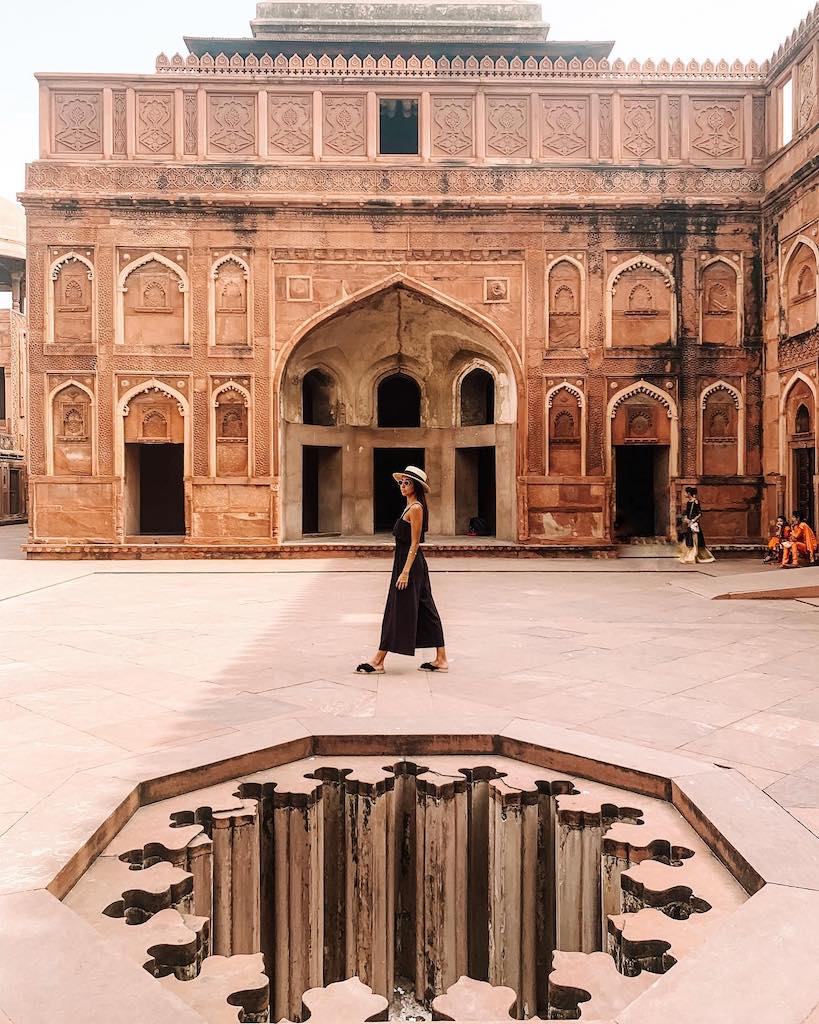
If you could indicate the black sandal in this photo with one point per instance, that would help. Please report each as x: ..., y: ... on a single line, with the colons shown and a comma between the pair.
x: 366, y: 669
x: 429, y: 667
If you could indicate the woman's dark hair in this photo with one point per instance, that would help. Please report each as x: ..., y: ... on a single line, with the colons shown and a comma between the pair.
x: 420, y: 495
x: 692, y: 491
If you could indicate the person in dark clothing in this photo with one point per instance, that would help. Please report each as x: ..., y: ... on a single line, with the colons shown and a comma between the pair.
x: 692, y: 547
x: 411, y: 619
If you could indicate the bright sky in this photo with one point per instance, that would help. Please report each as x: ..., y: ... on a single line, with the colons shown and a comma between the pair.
x: 101, y: 36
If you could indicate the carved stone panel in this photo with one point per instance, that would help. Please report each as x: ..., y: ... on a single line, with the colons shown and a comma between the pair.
x: 800, y: 291
x: 564, y: 128
x: 639, y: 129
x: 674, y: 127
x: 72, y: 302
x: 453, y: 126
x: 716, y: 129
x: 77, y: 122
x: 191, y: 125
x: 231, y: 124
x: 290, y: 128
x: 641, y: 305
x: 807, y: 92
x: 231, y: 434
x: 719, y: 435
x: 230, y: 286
x: 605, y: 128
x: 71, y: 432
x: 565, y: 451
x: 719, y: 305
x: 120, y: 129
x: 154, y: 306
x: 344, y: 130
x: 564, y: 313
x: 155, y: 128
x: 507, y: 126
x: 758, y: 143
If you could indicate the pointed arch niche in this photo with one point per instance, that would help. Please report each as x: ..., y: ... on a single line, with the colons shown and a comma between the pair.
x: 565, y: 303
x: 721, y: 449
x: 641, y: 304
x: 797, y: 444
x: 800, y: 297
x: 71, y: 430
x: 565, y: 431
x: 70, y: 304
x: 721, y: 302
x: 153, y: 302
x: 230, y: 301
x: 231, y: 448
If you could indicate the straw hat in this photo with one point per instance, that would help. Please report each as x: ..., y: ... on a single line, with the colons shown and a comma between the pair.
x: 414, y: 473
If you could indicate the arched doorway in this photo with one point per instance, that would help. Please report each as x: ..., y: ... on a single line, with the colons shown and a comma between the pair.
x: 396, y: 361
x: 642, y: 457
x: 799, y: 415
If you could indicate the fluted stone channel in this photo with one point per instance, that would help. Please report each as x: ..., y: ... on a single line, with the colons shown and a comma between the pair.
x: 411, y: 872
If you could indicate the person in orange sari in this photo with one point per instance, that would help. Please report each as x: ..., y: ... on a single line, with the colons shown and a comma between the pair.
x: 781, y: 533
x: 802, y: 541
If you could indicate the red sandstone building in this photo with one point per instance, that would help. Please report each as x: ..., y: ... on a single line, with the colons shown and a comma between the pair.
x: 12, y: 364
x: 281, y: 267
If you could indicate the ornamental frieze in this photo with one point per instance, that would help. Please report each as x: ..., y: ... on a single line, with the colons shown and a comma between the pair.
x: 442, y: 184
x: 794, y: 352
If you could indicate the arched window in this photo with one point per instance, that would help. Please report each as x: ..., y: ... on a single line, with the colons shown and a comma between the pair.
x: 399, y: 402
x: 477, y: 398
x: 802, y: 421
x: 318, y: 399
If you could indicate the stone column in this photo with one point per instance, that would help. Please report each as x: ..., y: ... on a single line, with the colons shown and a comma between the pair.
x: 235, y: 884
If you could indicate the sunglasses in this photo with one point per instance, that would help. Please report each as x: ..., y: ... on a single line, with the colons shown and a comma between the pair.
x: 402, y: 482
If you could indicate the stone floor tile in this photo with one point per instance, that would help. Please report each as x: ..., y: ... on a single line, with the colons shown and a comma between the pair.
x: 804, y: 705
x: 662, y: 731
x: 759, y: 751
x: 567, y: 708
x: 793, y: 791
x: 748, y: 690
x: 329, y: 698
x: 781, y: 727
x: 164, y: 728
x: 697, y: 709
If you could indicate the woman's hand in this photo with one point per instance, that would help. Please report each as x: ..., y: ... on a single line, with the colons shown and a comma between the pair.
x: 402, y: 581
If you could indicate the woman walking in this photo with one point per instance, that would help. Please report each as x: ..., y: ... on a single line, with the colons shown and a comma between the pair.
x: 411, y: 619
x: 692, y: 548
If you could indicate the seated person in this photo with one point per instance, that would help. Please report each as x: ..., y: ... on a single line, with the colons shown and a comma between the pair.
x: 781, y: 532
x: 802, y: 541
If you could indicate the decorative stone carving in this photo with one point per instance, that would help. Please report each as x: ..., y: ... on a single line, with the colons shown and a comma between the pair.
x: 230, y: 282
x: 640, y: 423
x: 232, y: 123
x: 507, y: 126
x: 452, y: 126
x: 720, y: 430
x: 232, y: 434
x: 720, y: 322
x: 716, y: 128
x: 345, y: 125
x: 299, y: 289
x: 564, y: 422
x: 77, y: 122
x: 807, y: 92
x: 120, y: 131
x: 153, y: 302
x: 70, y: 316
x: 290, y: 131
x: 71, y: 453
x: 496, y: 289
x: 758, y: 128
x: 154, y: 424
x: 565, y: 128
x: 639, y: 128
x: 674, y: 127
x: 154, y: 123
x: 564, y: 315
x: 191, y: 123
x: 641, y: 305
x: 605, y: 128
x: 800, y: 289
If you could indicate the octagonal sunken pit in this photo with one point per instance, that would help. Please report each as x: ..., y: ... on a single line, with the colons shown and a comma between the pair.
x: 263, y: 897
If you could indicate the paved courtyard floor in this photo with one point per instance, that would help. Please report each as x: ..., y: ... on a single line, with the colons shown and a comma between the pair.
x: 103, y: 660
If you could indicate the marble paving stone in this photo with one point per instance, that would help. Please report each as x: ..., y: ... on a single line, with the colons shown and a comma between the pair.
x: 695, y: 709
x: 663, y: 731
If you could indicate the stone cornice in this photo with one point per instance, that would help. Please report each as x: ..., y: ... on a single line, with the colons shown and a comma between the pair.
x: 253, y: 184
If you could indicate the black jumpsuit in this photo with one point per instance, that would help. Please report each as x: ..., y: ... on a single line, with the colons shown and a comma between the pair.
x: 410, y: 618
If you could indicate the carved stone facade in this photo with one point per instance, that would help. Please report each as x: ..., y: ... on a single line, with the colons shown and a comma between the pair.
x: 13, y: 344
x: 590, y: 236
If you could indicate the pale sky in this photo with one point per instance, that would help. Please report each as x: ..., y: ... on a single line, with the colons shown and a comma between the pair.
x: 102, y: 36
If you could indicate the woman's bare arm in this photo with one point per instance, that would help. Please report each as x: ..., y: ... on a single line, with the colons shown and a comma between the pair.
x: 416, y: 519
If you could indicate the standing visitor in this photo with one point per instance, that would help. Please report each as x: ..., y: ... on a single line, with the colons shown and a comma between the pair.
x: 411, y: 619
x: 692, y: 548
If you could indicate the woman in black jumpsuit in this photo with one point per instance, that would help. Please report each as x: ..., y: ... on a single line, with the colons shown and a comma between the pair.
x: 411, y: 619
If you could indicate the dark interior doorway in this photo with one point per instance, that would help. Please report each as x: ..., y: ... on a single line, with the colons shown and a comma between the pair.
x: 398, y: 126
x: 161, y: 470
x: 804, y: 462
x: 475, y: 491
x: 321, y: 491
x: 387, y: 501
x: 642, y: 491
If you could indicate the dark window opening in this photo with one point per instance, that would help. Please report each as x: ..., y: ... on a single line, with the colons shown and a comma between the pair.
x: 802, y: 420
x: 399, y: 402
x: 318, y: 405
x: 477, y: 399
x: 398, y: 124
x: 2, y: 393
x: 14, y: 493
